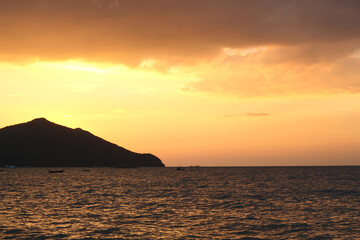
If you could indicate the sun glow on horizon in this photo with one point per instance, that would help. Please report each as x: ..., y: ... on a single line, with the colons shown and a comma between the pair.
x: 146, y: 111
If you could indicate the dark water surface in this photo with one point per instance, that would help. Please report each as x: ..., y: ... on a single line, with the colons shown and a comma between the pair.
x: 161, y: 203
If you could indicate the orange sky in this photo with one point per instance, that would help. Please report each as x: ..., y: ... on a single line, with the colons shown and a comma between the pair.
x: 211, y: 83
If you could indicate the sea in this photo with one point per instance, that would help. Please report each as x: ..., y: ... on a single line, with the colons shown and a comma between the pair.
x: 194, y: 203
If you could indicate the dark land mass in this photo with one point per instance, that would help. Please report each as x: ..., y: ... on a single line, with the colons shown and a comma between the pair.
x: 41, y: 143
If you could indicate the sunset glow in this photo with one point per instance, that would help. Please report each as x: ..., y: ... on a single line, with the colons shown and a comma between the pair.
x: 193, y: 90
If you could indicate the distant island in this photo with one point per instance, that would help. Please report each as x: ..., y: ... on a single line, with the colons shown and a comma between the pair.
x: 41, y: 143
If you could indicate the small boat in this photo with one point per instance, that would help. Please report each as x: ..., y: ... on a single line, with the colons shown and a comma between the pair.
x: 9, y: 166
x: 56, y: 171
x: 180, y: 169
x: 1, y: 170
x: 86, y: 170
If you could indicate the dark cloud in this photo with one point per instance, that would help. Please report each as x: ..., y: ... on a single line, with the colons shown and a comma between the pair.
x: 128, y: 31
x: 311, y: 53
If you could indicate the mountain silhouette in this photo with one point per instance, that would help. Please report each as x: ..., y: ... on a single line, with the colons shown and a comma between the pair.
x: 41, y: 143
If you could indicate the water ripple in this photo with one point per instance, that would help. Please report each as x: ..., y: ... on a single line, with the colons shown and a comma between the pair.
x: 161, y: 203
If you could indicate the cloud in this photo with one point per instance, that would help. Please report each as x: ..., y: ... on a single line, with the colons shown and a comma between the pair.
x: 311, y: 53
x: 256, y: 114
x: 175, y: 31
x: 263, y: 73
x: 240, y: 47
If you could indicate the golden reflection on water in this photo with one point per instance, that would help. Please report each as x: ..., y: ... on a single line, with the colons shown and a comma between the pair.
x: 153, y: 203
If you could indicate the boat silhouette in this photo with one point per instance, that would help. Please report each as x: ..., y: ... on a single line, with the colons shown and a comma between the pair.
x: 56, y: 171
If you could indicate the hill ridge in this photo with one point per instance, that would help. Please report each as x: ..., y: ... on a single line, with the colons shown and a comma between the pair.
x: 42, y: 143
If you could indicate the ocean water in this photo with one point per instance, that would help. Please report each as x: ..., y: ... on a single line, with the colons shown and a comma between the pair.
x: 197, y: 203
